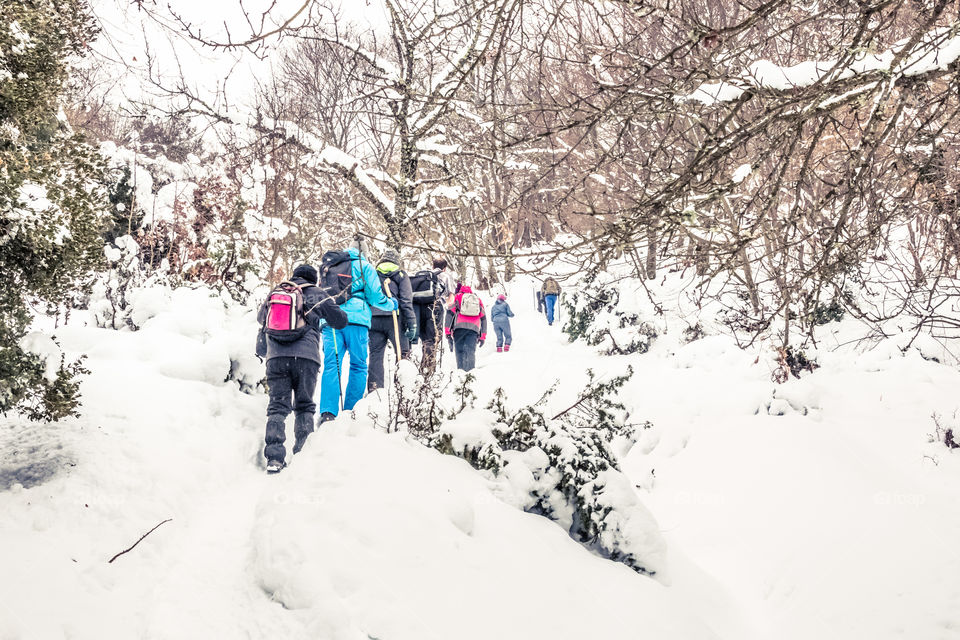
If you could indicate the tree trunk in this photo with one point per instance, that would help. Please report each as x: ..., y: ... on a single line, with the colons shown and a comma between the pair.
x: 651, y: 266
x: 748, y: 278
x: 406, y: 192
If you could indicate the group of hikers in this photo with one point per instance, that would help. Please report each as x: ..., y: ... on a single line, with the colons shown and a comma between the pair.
x: 355, y: 307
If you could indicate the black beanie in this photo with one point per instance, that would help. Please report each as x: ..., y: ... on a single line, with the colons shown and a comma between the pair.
x: 306, y: 272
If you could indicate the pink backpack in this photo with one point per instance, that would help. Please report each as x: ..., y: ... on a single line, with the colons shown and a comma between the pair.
x: 285, y: 318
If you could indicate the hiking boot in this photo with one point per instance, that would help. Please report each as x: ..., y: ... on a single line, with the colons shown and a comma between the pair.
x: 499, y: 349
x: 506, y: 347
x: 299, y: 441
x: 303, y: 427
x: 274, y: 466
x: 326, y: 416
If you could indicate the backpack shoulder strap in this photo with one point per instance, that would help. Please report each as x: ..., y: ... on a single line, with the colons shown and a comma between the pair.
x: 363, y: 277
x: 292, y: 284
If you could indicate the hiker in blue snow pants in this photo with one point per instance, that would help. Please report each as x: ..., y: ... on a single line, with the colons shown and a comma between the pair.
x: 352, y: 339
x: 550, y: 291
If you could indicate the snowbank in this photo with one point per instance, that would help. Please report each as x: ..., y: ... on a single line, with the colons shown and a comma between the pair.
x: 365, y: 534
x: 371, y: 535
x: 832, y: 522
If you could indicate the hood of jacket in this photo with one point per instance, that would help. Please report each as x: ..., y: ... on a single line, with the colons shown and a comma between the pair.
x: 366, y: 290
x: 387, y: 267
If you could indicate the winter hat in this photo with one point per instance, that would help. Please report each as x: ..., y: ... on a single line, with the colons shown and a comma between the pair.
x: 391, y: 255
x: 501, y: 297
x: 306, y: 272
x: 360, y: 244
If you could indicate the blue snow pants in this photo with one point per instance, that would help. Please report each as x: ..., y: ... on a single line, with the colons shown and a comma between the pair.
x: 502, y: 329
x: 352, y: 339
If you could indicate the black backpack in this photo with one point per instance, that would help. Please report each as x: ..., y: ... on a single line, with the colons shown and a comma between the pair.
x: 426, y: 287
x: 336, y: 275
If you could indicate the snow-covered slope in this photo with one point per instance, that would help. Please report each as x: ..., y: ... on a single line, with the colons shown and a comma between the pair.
x: 365, y: 535
x: 826, y: 521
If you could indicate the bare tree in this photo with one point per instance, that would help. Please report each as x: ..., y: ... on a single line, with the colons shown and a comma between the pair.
x: 405, y: 86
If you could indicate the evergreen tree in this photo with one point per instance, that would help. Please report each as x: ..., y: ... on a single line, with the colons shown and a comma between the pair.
x: 52, y: 200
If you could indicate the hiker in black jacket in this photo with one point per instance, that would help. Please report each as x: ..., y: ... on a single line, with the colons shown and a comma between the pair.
x: 292, y: 367
x: 434, y: 291
x: 382, y: 325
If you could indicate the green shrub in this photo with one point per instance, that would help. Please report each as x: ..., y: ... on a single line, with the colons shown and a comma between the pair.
x: 52, y: 200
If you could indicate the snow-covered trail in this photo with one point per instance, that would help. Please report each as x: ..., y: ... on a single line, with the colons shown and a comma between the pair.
x: 365, y: 534
x: 150, y: 448
x: 828, y: 524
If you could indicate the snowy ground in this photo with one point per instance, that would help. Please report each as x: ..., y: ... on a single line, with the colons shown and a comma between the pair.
x: 830, y: 521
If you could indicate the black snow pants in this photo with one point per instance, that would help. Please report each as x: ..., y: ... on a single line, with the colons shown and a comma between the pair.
x: 285, y: 377
x: 381, y: 334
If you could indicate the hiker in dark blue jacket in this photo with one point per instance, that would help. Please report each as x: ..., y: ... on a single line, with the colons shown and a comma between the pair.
x: 292, y: 368
x: 353, y: 339
x: 500, y: 314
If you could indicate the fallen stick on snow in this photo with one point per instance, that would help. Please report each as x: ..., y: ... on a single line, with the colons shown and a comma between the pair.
x: 138, y: 541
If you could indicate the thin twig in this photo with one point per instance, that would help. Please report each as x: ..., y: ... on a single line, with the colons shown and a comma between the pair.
x: 138, y: 541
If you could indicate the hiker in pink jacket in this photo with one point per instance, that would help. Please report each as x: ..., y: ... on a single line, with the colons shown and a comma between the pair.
x: 466, y: 327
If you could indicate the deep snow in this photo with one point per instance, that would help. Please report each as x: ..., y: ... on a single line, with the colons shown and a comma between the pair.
x: 836, y: 519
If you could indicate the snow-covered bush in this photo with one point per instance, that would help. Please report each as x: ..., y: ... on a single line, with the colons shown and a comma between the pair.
x: 596, y: 312
x: 563, y: 467
x: 946, y: 430
x: 693, y: 332
x: 109, y: 302
x: 51, y: 198
x: 206, y: 335
x: 570, y: 472
x: 825, y: 313
x: 188, y: 216
x: 792, y: 361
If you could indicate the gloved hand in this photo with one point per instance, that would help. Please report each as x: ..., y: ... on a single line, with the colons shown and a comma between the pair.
x: 450, y: 342
x: 395, y: 304
x: 480, y: 342
x: 410, y: 334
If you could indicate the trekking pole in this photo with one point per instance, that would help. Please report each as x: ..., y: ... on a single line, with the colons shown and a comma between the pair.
x: 336, y: 353
x: 394, y: 314
x: 442, y: 331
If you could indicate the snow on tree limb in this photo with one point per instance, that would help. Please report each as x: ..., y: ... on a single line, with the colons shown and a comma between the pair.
x: 388, y: 72
x: 349, y: 167
x: 345, y: 164
x: 935, y: 51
